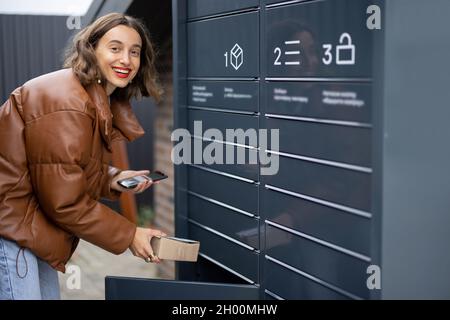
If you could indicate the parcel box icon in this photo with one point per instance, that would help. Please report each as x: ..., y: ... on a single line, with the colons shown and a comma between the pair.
x: 177, y: 249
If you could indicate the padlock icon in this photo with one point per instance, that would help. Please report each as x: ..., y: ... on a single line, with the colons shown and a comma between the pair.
x: 345, y: 51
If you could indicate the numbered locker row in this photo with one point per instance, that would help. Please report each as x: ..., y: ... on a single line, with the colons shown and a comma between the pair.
x: 335, y: 102
x: 231, y: 96
x: 308, y: 39
x: 331, y: 266
x: 330, y: 102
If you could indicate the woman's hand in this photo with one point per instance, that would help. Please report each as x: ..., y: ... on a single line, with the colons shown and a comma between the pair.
x: 140, y: 247
x: 141, y: 187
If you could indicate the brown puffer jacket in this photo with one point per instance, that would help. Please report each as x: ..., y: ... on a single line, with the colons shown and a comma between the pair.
x: 55, y: 149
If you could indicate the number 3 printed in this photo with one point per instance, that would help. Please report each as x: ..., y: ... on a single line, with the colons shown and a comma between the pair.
x: 328, y: 58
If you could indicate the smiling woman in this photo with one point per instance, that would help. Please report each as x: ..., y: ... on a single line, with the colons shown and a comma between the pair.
x: 115, y: 49
x: 49, y: 192
x: 118, y: 56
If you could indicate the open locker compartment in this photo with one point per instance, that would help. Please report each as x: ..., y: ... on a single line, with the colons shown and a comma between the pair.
x: 204, y: 281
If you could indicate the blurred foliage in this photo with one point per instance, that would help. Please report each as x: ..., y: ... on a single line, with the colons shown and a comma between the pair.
x: 146, y: 215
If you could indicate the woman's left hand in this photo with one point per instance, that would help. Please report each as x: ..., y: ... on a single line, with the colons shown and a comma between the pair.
x: 141, y: 187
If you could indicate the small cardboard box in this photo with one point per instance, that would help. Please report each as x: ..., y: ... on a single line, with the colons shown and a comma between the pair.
x: 177, y: 249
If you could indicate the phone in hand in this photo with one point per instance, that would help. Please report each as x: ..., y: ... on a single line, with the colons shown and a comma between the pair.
x: 131, y: 183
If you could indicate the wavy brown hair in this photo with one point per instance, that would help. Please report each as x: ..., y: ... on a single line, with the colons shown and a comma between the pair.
x: 80, y: 56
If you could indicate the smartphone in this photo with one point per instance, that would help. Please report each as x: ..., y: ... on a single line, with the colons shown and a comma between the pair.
x: 131, y: 183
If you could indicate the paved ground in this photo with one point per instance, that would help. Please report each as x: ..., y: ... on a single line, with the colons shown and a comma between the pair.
x: 93, y: 264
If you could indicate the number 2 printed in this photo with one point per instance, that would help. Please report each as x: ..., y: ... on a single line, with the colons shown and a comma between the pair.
x: 277, y: 60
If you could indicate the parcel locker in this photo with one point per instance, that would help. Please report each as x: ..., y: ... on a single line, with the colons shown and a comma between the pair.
x: 358, y: 206
x: 220, y: 46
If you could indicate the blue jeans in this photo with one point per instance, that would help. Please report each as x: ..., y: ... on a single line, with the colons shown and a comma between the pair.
x: 23, y: 276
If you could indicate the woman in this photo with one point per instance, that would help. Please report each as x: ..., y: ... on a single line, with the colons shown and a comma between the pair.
x: 55, y: 147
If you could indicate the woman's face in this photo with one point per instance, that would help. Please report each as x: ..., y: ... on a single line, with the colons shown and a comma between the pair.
x: 118, y: 56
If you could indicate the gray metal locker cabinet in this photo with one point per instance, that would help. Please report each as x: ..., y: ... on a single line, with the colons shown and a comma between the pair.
x: 363, y: 177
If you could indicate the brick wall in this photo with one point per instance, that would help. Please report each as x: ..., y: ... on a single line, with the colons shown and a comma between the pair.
x: 163, y: 124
